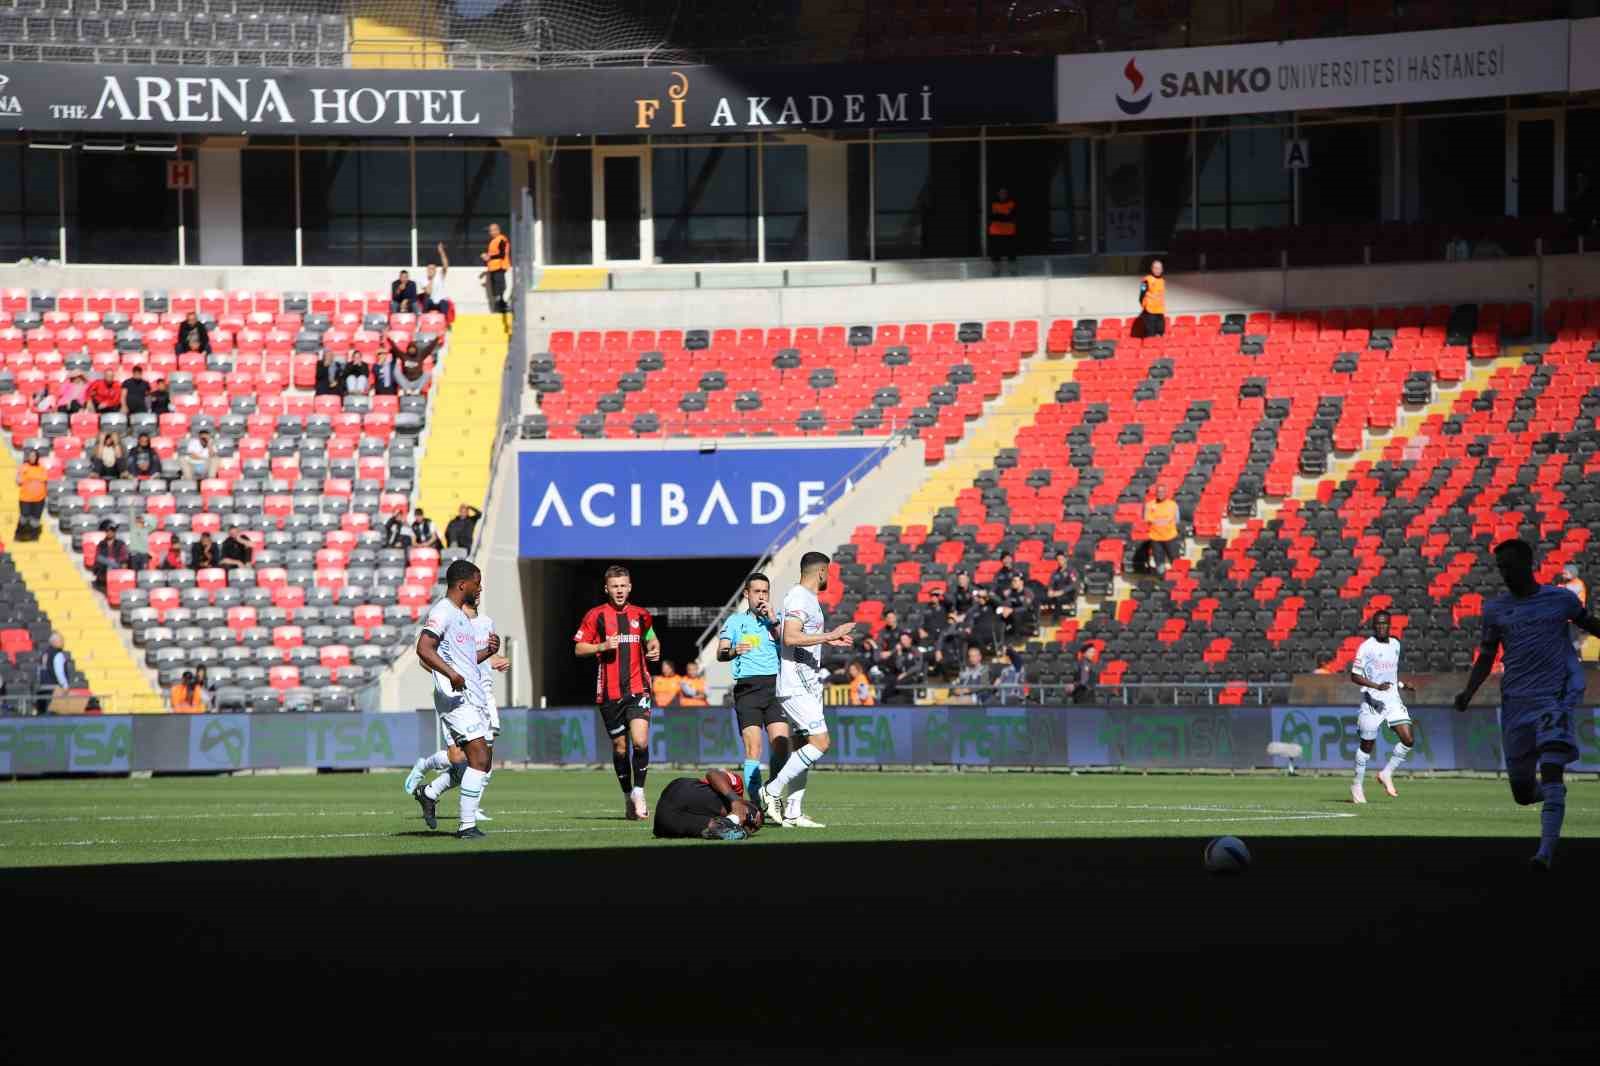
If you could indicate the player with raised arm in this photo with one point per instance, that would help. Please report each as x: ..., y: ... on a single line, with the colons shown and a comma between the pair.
x: 448, y: 647
x: 613, y: 632
x: 800, y: 677
x: 712, y: 808
x: 749, y: 639
x: 1376, y: 670
x: 1540, y: 689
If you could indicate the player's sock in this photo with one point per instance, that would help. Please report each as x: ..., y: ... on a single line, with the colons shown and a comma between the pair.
x: 1550, y: 817
x: 624, y: 768
x: 438, y: 762
x: 1396, y: 757
x: 1362, y: 758
x: 792, y: 808
x: 445, y: 782
x: 778, y: 752
x: 641, y: 766
x: 798, y: 763
x: 472, y: 783
x: 751, y: 767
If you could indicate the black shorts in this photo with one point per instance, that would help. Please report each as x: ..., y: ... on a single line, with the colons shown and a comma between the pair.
x: 618, y: 713
x: 685, y: 806
x: 756, y: 702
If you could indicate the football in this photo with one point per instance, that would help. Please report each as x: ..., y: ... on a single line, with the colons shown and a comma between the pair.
x: 1227, y: 856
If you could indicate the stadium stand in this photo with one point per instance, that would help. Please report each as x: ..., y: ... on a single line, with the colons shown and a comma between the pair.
x: 24, y: 638
x: 323, y: 605
x: 1388, y: 242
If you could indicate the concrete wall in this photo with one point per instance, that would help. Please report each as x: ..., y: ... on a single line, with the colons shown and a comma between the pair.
x: 827, y: 210
x: 219, y: 190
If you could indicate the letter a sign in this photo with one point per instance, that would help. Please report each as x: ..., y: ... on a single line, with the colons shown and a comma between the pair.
x: 180, y: 174
x: 1296, y: 155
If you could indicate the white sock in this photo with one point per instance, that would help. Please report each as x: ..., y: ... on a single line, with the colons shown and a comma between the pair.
x: 1396, y: 757
x: 438, y: 762
x: 637, y: 793
x: 439, y: 785
x: 472, y: 783
x: 799, y: 762
x: 797, y: 795
x: 1361, y: 764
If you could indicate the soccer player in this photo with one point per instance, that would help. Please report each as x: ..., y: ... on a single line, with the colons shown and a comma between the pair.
x: 712, y: 808
x: 450, y: 762
x: 1377, y: 670
x: 449, y: 647
x: 1540, y: 689
x: 613, y: 632
x: 749, y: 640
x: 800, y: 677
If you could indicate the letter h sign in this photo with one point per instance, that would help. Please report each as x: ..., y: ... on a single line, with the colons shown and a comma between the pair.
x: 180, y: 174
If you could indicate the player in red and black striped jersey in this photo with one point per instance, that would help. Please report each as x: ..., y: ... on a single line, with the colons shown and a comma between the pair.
x: 623, y: 638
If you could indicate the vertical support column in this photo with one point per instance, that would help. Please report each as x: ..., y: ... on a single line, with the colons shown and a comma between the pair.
x: 219, y: 206
x: 827, y: 200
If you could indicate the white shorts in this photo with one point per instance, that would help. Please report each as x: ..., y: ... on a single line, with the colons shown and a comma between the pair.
x: 491, y: 714
x: 805, y: 711
x: 1377, y: 711
x: 462, y: 719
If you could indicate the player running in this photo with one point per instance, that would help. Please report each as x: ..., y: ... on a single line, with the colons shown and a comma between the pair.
x: 749, y: 639
x: 1540, y: 689
x: 448, y: 646
x: 613, y: 632
x: 450, y: 762
x: 800, y: 677
x: 712, y: 808
x: 1377, y: 670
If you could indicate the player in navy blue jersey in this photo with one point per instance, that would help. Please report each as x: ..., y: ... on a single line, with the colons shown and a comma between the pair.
x: 1541, y: 688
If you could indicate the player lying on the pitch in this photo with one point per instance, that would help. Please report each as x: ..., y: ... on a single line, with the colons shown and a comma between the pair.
x: 712, y: 808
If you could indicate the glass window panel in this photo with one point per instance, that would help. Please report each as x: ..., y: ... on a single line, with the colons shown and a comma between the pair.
x: 704, y: 204
x: 927, y: 200
x: 355, y: 207
x: 1049, y: 180
x: 28, y: 192
x: 1583, y: 166
x: 1243, y: 184
x: 786, y: 201
x: 1344, y: 183
x: 1461, y: 167
x: 124, y: 211
x: 267, y: 187
x: 1144, y: 192
x: 458, y: 195
x: 858, y: 182
x: 571, y: 208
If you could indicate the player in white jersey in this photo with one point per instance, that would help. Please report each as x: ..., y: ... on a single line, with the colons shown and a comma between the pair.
x: 449, y: 761
x: 800, y: 681
x: 448, y: 646
x: 1376, y: 670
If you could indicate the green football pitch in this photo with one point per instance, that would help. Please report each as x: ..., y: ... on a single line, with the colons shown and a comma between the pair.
x: 186, y: 819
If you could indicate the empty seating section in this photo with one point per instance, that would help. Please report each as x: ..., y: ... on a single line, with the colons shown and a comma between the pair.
x: 311, y: 479
x: 189, y: 32
x: 930, y: 379
x: 1227, y: 412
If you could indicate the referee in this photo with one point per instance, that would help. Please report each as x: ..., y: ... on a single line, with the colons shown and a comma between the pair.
x: 749, y: 640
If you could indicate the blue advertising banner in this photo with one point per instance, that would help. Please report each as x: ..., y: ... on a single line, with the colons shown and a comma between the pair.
x: 677, y: 503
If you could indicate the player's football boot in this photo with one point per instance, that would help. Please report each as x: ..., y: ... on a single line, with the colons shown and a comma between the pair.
x: 471, y: 832
x: 804, y: 821
x: 430, y: 808
x: 1357, y: 794
x: 414, y: 778
x: 772, y: 807
x: 641, y: 809
x: 1386, y: 779
x: 483, y: 816
x: 628, y: 810
x: 724, y: 829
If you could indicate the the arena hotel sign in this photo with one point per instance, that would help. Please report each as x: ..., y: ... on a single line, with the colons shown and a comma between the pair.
x: 1343, y: 72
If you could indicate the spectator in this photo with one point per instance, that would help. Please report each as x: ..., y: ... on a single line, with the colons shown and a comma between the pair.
x: 909, y: 670
x: 1061, y: 598
x: 435, y: 295
x: 73, y: 396
x: 1153, y: 302
x: 142, y: 460
x: 496, y: 262
x: 386, y: 375
x: 958, y: 598
x: 1087, y: 670
x: 110, y: 458
x: 424, y: 532
x: 412, y: 374
x: 1020, y: 609
x: 140, y: 526
x: 188, y: 696
x: 1457, y: 248
x: 112, y: 554
x: 1010, y: 685
x: 195, y: 347
x: 396, y: 533
x: 105, y: 395
x: 330, y: 376
x: 1574, y: 584
x: 357, y: 377
x: 1161, y: 517
x: 666, y: 685
x: 237, y: 550
x: 160, y: 400
x: 33, y: 487
x: 136, y: 392
x: 191, y: 326
x: 403, y: 294
x: 988, y: 625
x: 199, y: 460
x: 951, y: 647
x: 55, y: 673
x: 203, y: 679
x: 1002, y: 576
x: 692, y: 687
x: 862, y: 693
x: 973, y: 680
x: 1003, y: 230
x: 458, y: 534
x: 889, y: 634
x: 174, y: 559
x: 206, y: 554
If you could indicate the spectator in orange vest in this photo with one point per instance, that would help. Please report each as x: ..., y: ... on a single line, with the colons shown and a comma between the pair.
x: 1003, y: 230
x: 692, y: 687
x: 666, y: 685
x: 1153, y: 302
x: 1161, y: 516
x: 188, y: 697
x: 496, y: 261
x: 33, y: 486
x: 862, y: 693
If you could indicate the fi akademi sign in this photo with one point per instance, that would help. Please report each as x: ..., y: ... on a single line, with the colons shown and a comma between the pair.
x: 134, y: 99
x: 1309, y: 74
